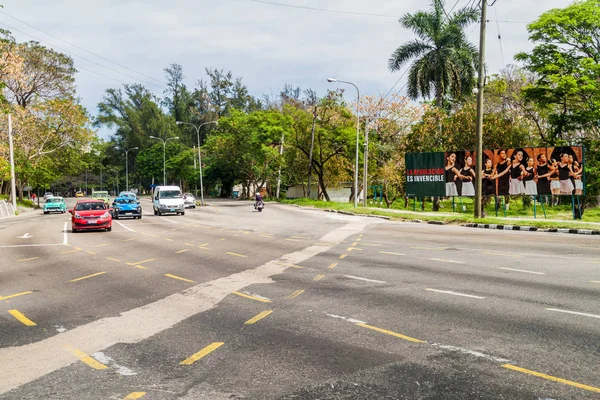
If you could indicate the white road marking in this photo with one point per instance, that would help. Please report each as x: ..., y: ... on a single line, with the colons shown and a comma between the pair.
x: 392, y: 253
x: 257, y: 295
x: 524, y: 271
x: 30, y: 245
x: 574, y: 313
x: 474, y: 353
x: 455, y: 293
x: 352, y: 320
x: 448, y: 261
x: 106, y: 360
x: 364, y: 279
x: 65, y: 234
x: 25, y: 236
x: 125, y: 226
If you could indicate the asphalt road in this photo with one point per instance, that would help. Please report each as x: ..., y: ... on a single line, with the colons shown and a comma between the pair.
x: 229, y: 303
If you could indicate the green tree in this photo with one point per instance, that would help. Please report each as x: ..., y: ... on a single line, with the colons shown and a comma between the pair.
x: 444, y: 60
x: 566, y: 59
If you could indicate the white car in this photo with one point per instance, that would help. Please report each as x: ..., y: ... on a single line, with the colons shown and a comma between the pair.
x: 189, y: 200
x: 167, y: 200
x: 48, y: 195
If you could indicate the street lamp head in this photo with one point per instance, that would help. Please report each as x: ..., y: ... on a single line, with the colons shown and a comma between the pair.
x: 331, y: 80
x: 134, y: 148
x: 178, y: 122
x: 176, y: 137
x: 153, y: 137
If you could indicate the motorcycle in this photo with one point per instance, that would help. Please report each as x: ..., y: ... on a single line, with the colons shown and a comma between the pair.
x: 259, y: 205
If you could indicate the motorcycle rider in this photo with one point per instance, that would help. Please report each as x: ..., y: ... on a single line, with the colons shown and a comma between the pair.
x: 257, y: 199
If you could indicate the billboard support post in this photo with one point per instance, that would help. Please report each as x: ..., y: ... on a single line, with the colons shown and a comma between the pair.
x: 480, y: 85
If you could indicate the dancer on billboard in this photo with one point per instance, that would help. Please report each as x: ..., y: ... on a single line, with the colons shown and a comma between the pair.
x: 467, y: 174
x: 543, y: 172
x: 487, y: 178
x: 517, y: 172
x: 564, y: 175
x: 451, y: 175
x: 530, y: 185
x: 578, y: 170
x: 502, y: 170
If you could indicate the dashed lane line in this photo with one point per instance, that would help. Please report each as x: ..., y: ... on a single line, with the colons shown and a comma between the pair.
x: 395, y: 334
x: 428, y: 248
x: 455, y: 293
x: 353, y: 248
x: 102, y: 245
x: 28, y: 259
x: 179, y: 278
x: 491, y: 253
x: 88, y: 276
x: 182, y: 251
x: 128, y: 240
x: 332, y: 265
x: 21, y: 318
x: 552, y: 378
x: 573, y: 312
x: 236, y: 254
x: 258, y: 317
x: 202, y: 353
x: 295, y: 294
x: 364, y: 279
x: 524, y: 271
x: 318, y: 277
x: 90, y: 252
x: 256, y: 298
x: 595, y: 281
x: 87, y: 360
x: 138, y: 263
x: 125, y: 226
x: 113, y: 259
x: 343, y: 256
x: 189, y: 244
x: 447, y: 261
x: 203, y: 244
x: 134, y: 395
x: 392, y: 253
x: 12, y: 296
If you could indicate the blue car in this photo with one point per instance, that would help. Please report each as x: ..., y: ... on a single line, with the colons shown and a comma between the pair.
x: 126, y: 207
x: 55, y: 204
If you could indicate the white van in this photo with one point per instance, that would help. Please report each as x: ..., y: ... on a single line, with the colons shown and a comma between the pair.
x: 167, y: 199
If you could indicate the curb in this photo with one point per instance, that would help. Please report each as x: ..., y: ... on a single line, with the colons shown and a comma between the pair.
x: 533, y: 229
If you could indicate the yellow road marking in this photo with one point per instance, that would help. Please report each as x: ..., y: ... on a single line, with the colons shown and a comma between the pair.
x: 295, y: 294
x: 552, y: 378
x: 14, y: 295
x: 134, y: 395
x: 292, y: 240
x: 236, y: 254
x: 169, y: 240
x: 179, y: 278
x: 332, y: 266
x: 295, y: 266
x: 102, y: 245
x: 359, y: 239
x: 78, y: 248
x: 142, y: 262
x: 267, y: 236
x: 299, y: 237
x: 205, y: 351
x: 153, y: 235
x: 491, y: 253
x: 21, y: 318
x: 355, y: 244
x: 28, y: 259
x: 113, y: 259
x: 428, y: 248
x: 189, y: 244
x: 89, y: 252
x: 318, y: 277
x: 182, y: 251
x: 203, y: 248
x: 360, y: 235
x: 353, y: 248
x: 343, y: 256
x: 174, y: 229
x: 258, y: 317
x: 392, y: 253
x: 253, y: 297
x: 127, y: 240
x: 89, y: 361
x: 222, y: 239
x: 140, y: 267
x: 86, y: 277
x: 203, y: 244
x: 371, y: 244
x: 398, y: 335
x: 595, y: 281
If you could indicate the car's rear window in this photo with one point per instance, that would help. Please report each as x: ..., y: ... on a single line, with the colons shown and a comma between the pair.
x: 126, y: 201
x: 90, y: 206
x: 54, y: 200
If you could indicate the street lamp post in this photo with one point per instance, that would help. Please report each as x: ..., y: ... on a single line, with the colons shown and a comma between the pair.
x: 357, y: 134
x: 13, y: 186
x: 164, y: 142
x: 127, y: 165
x: 199, y: 156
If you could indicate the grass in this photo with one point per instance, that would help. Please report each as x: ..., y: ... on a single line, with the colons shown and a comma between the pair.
x: 516, y: 210
x: 25, y: 203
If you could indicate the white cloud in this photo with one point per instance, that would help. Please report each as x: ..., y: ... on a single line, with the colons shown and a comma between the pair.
x: 268, y: 46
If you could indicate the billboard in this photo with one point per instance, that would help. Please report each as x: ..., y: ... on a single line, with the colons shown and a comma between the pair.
x: 529, y: 171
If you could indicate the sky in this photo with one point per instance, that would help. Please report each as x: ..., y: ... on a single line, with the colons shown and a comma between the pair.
x: 266, y: 45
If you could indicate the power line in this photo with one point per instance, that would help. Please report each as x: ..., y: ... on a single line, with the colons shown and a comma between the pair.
x: 499, y: 37
x: 78, y: 66
x: 83, y: 58
x: 454, y: 6
x: 325, y: 10
x: 80, y: 48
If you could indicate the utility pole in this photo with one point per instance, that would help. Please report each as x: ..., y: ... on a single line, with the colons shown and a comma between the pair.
x: 366, y: 163
x: 480, y: 85
x: 312, y: 144
x: 13, y: 183
x: 279, y: 174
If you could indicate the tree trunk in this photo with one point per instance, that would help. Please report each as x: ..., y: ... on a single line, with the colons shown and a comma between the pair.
x: 322, y: 184
x: 436, y: 203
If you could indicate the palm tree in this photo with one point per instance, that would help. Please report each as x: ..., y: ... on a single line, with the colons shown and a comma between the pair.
x: 445, y: 61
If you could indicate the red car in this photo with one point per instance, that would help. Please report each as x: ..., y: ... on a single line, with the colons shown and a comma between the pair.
x: 91, y: 214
